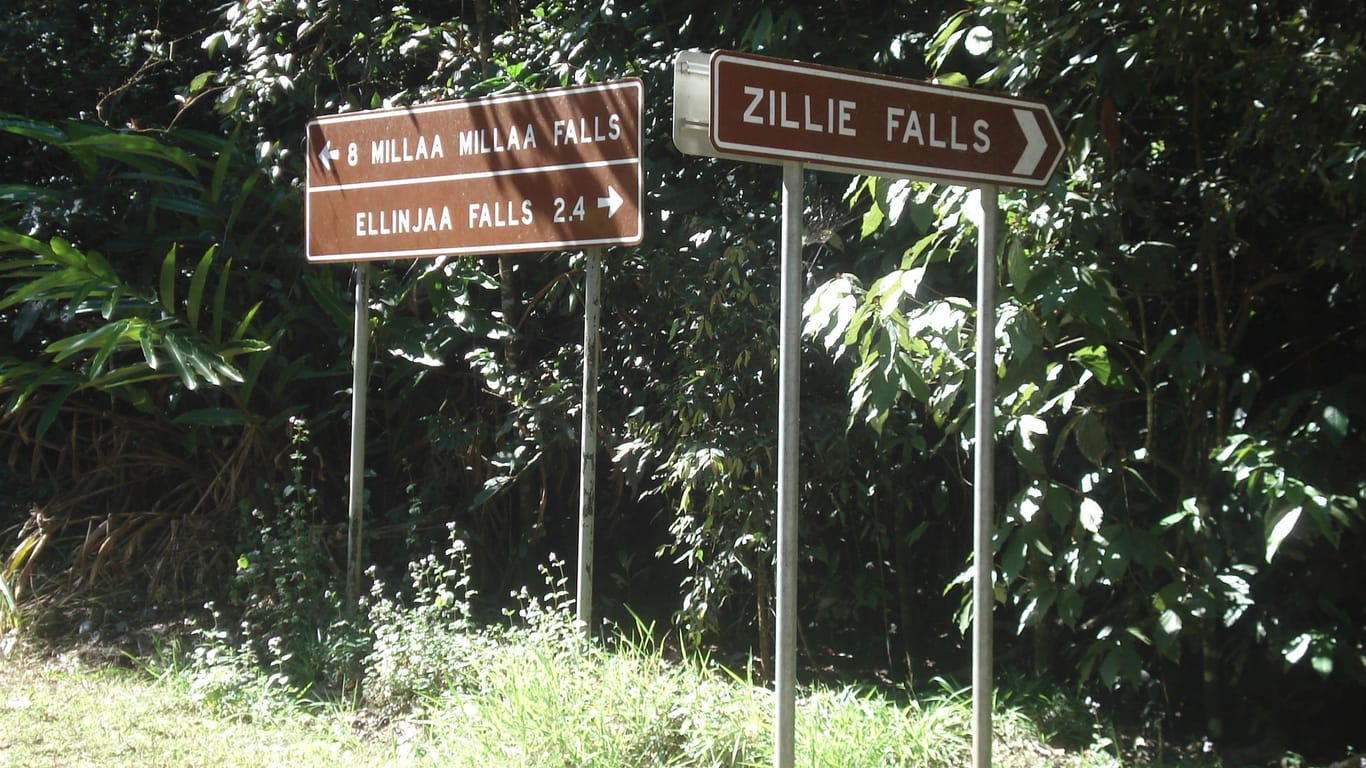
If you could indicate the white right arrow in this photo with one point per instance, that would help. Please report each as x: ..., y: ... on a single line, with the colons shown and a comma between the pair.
x: 1035, y: 144
x: 612, y: 202
x: 328, y: 154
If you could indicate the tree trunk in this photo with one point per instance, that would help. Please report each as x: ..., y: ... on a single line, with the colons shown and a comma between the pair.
x: 1214, y: 706
x: 905, y: 583
x: 511, y: 308
x: 763, y: 587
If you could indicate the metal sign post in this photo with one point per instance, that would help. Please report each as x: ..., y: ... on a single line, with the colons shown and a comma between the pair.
x: 360, y: 370
x: 789, y: 432
x: 984, y: 479
x: 588, y: 439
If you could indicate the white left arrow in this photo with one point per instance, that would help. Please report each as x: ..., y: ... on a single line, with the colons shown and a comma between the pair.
x: 328, y: 155
x: 612, y: 202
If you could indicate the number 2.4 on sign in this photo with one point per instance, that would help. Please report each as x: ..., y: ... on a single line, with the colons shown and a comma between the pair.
x: 564, y: 214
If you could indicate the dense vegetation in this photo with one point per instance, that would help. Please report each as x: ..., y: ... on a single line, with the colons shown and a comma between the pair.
x: 451, y: 695
x: 1181, y: 364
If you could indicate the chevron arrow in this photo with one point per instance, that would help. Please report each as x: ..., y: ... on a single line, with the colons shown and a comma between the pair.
x: 1035, y: 143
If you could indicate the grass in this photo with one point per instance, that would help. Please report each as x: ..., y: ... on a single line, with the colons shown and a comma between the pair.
x: 442, y: 690
x: 536, y: 696
x: 62, y: 712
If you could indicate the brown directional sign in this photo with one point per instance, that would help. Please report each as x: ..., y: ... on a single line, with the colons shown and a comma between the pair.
x: 855, y: 122
x: 541, y: 171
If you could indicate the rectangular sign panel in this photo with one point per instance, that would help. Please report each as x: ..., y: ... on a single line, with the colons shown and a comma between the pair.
x: 852, y: 121
x: 541, y: 171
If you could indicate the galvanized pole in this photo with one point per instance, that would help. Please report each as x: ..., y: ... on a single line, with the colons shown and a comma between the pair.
x: 789, y: 399
x: 983, y: 479
x: 360, y: 370
x: 588, y: 442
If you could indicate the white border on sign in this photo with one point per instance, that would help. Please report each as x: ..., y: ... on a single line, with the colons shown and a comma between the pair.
x: 473, y: 175
x: 473, y: 250
x: 478, y: 102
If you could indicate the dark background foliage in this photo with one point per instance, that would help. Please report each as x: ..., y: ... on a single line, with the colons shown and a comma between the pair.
x: 1181, y: 371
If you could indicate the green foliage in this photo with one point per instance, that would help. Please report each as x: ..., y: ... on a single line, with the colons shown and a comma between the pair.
x: 537, y: 689
x: 121, y: 337
x: 225, y: 677
x: 101, y: 63
x: 1165, y: 446
x: 908, y: 341
x: 11, y: 617
x: 713, y: 457
x: 140, y: 342
x: 293, y: 620
x: 132, y: 346
x: 1179, y: 340
x: 285, y: 637
x: 430, y: 644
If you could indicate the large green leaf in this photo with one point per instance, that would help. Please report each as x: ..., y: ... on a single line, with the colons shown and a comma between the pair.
x: 197, y: 283
x: 142, y: 152
x: 169, y: 272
